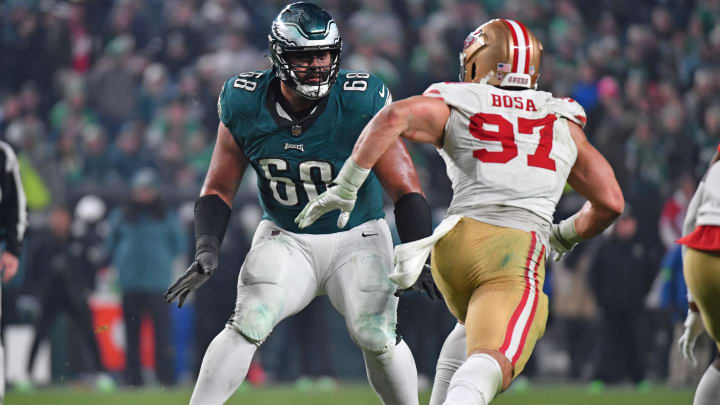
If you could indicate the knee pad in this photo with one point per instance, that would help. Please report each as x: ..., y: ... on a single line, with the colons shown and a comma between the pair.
x: 254, y: 316
x: 373, y: 333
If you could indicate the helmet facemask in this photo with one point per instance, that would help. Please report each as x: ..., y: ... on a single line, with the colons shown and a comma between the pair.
x: 308, y: 79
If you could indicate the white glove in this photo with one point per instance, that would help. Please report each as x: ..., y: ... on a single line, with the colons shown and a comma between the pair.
x: 563, y: 237
x: 693, y: 328
x: 342, y: 196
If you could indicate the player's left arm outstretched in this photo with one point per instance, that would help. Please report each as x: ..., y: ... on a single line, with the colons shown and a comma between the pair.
x: 420, y: 118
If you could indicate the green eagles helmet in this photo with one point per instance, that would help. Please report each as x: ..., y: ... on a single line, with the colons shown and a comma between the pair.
x: 305, y: 27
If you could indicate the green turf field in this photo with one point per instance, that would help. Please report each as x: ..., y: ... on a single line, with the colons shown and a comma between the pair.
x: 352, y: 395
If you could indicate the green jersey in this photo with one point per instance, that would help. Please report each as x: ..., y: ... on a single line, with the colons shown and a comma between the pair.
x: 295, y: 161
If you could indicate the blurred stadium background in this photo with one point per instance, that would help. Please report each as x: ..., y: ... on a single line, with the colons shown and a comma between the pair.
x: 105, y: 98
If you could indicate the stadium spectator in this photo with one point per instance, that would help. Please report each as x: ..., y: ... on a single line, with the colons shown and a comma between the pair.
x: 56, y: 263
x: 620, y: 278
x: 129, y: 155
x: 145, y: 238
x: 112, y: 84
x: 673, y: 211
x: 574, y: 309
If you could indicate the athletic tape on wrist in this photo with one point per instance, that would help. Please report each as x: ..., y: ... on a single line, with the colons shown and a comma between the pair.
x: 352, y: 176
x: 568, y: 234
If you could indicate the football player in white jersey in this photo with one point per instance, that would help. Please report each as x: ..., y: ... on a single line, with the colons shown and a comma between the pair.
x: 701, y: 260
x: 509, y: 150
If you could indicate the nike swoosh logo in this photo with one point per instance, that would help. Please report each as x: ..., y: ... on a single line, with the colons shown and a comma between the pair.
x: 366, y: 234
x: 382, y: 92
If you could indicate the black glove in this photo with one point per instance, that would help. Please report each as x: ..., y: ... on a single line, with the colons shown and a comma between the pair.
x: 196, y: 275
x: 425, y: 283
x: 212, y: 215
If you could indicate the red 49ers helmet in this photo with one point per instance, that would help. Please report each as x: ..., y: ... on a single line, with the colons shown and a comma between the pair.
x: 502, y: 53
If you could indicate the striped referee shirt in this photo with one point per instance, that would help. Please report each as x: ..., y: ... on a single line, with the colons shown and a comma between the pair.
x: 13, y: 207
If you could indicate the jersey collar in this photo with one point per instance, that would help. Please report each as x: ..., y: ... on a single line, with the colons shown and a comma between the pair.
x: 284, y: 119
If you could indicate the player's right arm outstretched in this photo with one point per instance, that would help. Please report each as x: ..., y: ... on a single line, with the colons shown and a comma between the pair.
x: 594, y: 179
x: 419, y: 118
x: 212, y: 213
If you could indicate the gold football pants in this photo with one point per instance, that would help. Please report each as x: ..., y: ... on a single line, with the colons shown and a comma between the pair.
x: 702, y: 275
x: 492, y: 280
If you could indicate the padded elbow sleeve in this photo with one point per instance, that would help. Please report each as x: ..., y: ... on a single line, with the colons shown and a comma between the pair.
x: 412, y: 217
x: 212, y: 215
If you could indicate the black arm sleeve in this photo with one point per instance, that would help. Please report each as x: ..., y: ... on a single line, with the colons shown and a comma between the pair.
x: 212, y: 215
x: 412, y: 217
x: 13, y: 203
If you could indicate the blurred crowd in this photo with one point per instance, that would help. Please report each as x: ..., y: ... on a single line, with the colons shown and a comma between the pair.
x: 114, y: 98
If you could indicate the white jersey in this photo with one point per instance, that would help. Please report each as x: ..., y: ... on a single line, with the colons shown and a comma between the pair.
x: 508, y: 153
x: 709, y: 211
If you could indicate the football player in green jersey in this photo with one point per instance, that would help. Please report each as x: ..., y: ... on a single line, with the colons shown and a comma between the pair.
x: 296, y: 126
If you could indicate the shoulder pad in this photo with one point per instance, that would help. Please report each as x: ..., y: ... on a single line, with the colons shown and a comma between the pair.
x: 569, y: 109
x: 454, y: 94
x: 241, y: 96
x: 440, y: 89
x: 361, y: 90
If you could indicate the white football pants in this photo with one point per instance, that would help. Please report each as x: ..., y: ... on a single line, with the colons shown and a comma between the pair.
x: 283, y: 272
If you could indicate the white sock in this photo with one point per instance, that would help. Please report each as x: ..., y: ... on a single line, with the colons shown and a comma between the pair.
x: 708, y: 390
x: 393, y: 375
x: 476, y: 382
x: 223, y: 369
x: 452, y: 356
